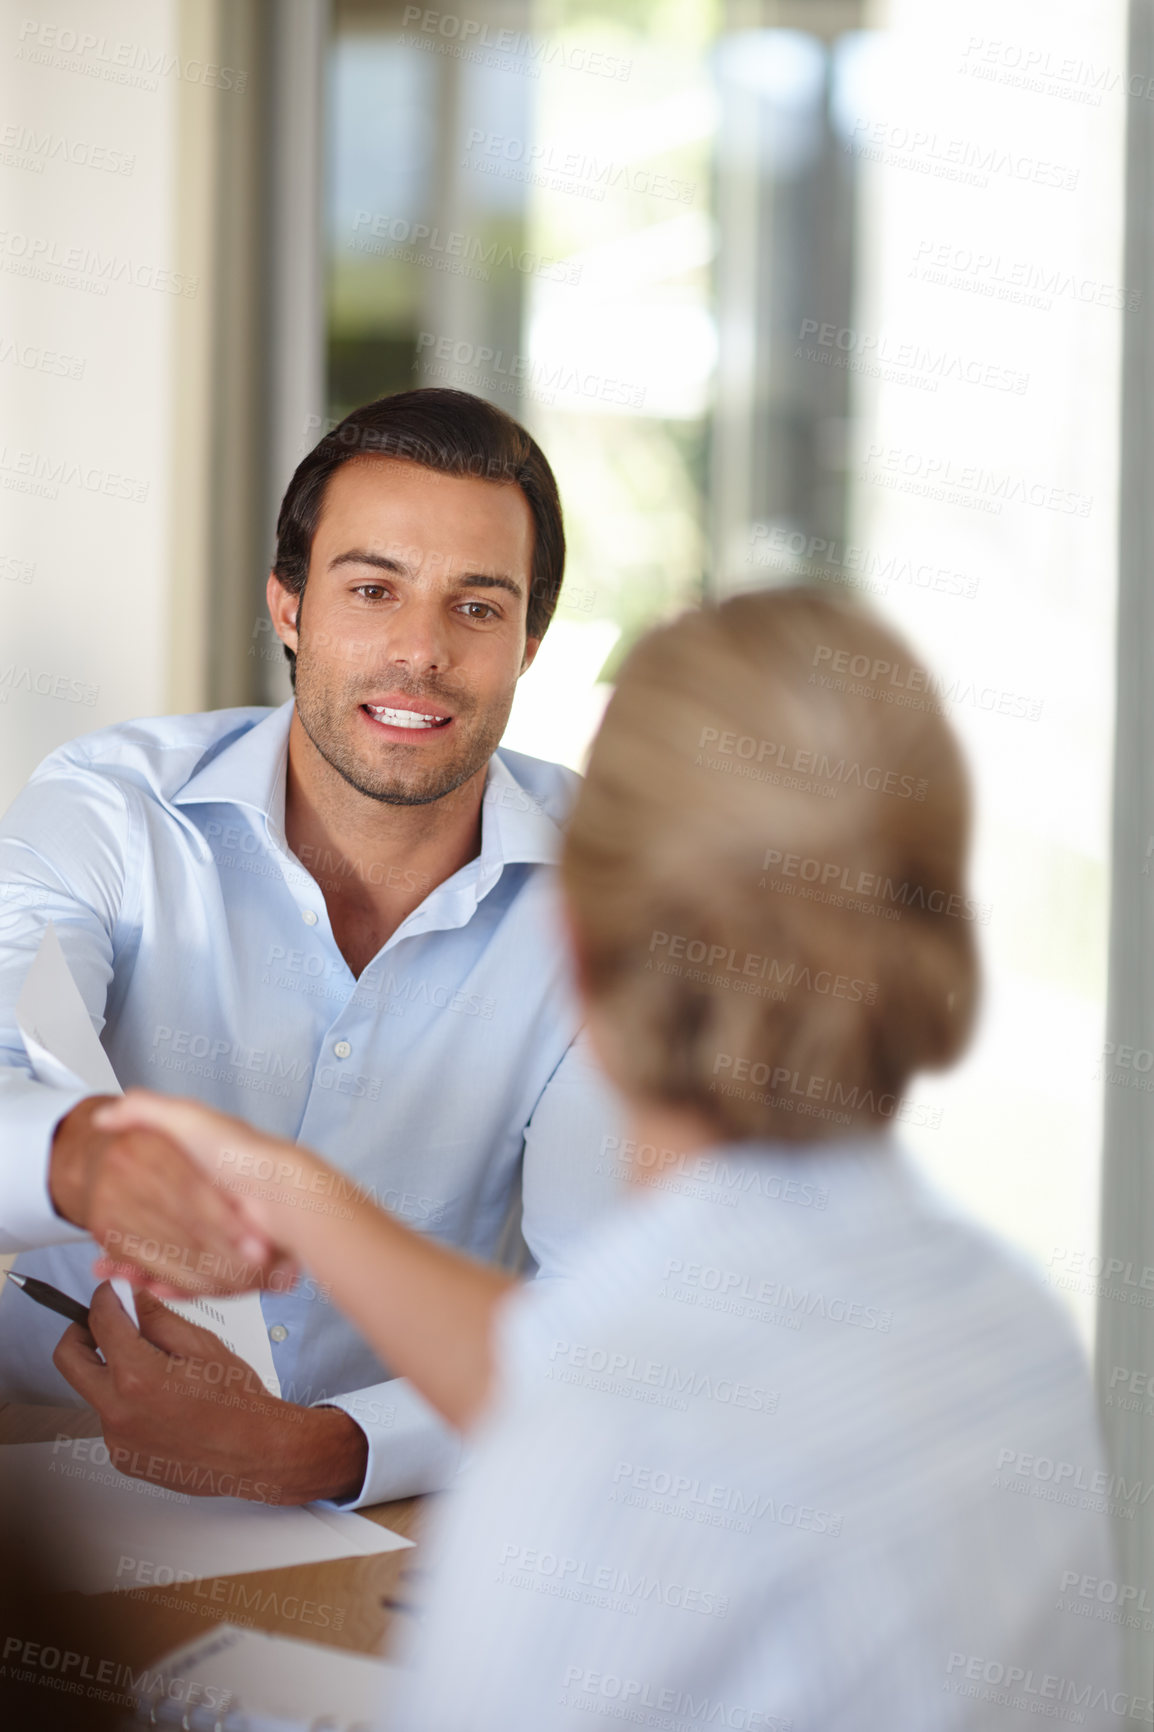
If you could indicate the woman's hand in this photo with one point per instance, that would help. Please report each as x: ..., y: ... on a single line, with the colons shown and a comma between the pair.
x: 427, y: 1310
x: 271, y: 1181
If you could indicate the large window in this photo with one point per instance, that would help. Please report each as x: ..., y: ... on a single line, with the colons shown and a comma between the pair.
x: 521, y: 207
x: 811, y: 290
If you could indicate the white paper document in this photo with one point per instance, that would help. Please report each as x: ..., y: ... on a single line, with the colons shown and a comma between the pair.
x: 101, y: 1530
x: 65, y: 1052
x: 57, y: 1030
x: 271, y: 1681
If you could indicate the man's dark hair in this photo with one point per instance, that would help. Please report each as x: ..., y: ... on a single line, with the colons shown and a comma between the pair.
x: 453, y: 433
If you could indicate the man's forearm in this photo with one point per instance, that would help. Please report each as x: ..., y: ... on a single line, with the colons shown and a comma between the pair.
x: 325, y: 1454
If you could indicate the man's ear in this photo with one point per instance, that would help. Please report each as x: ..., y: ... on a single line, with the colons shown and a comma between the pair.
x: 284, y: 608
x: 532, y: 645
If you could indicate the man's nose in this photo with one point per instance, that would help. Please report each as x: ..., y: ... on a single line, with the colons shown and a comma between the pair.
x: 418, y: 638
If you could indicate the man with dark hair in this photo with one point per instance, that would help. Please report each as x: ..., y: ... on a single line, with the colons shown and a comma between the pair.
x: 336, y: 918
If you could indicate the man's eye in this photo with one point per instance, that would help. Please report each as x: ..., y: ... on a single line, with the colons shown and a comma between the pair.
x: 480, y: 610
x: 370, y: 590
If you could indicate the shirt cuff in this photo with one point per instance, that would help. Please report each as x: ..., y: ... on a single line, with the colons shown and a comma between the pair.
x: 411, y: 1448
x: 30, y: 1113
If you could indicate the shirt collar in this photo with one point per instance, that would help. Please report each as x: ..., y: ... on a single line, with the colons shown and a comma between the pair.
x: 250, y: 771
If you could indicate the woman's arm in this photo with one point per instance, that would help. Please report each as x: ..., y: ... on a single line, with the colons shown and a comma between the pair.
x: 426, y: 1310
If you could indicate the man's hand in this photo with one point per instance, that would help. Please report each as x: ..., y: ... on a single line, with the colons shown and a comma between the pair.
x: 179, y: 1409
x: 155, y: 1212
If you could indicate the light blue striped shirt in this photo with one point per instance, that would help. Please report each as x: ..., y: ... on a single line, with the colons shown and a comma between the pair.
x: 797, y: 1446
x: 444, y: 1079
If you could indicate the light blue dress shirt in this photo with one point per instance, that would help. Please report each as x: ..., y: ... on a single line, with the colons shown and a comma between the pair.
x: 448, y: 1079
x: 797, y: 1448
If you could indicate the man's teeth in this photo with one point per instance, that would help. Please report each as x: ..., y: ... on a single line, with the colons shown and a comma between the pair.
x: 404, y: 718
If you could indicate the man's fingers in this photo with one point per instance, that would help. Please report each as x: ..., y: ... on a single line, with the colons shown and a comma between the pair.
x: 110, y: 1326
x: 153, y: 1208
x: 172, y: 1333
x: 211, y: 1138
x: 228, y: 1151
x: 79, y: 1364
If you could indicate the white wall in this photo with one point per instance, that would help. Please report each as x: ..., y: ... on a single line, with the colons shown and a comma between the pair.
x: 90, y: 98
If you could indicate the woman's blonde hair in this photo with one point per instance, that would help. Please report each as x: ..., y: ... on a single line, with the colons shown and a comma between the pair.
x: 766, y: 870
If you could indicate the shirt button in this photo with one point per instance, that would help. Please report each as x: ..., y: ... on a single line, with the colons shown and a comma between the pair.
x: 278, y: 1333
x: 308, y: 917
x: 342, y: 1049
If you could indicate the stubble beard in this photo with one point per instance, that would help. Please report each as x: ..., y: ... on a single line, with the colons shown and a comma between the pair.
x: 323, y: 716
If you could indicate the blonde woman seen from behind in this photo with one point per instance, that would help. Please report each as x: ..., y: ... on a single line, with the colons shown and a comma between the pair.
x: 766, y: 1458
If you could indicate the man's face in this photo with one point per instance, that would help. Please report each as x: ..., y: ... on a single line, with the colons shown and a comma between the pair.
x: 410, y: 635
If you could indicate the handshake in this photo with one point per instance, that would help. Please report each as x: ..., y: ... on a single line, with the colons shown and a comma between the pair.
x: 182, y: 1200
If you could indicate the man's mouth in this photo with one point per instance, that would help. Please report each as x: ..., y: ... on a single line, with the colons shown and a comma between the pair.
x: 391, y: 717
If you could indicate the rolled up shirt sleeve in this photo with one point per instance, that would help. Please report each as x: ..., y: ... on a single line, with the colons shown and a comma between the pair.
x: 59, y: 817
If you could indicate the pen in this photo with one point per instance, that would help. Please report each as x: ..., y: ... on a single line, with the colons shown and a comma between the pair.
x: 52, y: 1297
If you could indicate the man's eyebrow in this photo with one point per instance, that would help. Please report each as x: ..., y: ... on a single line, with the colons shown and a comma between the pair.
x: 488, y: 580
x: 400, y: 567
x: 358, y: 556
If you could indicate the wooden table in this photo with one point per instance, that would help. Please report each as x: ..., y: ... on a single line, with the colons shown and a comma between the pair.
x: 350, y: 1603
